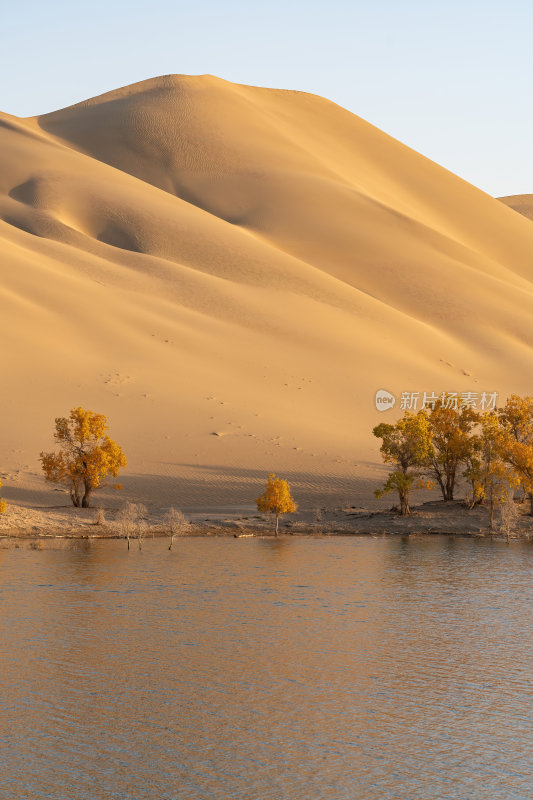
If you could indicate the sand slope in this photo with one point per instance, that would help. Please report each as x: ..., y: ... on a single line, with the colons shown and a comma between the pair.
x: 523, y: 203
x: 230, y: 273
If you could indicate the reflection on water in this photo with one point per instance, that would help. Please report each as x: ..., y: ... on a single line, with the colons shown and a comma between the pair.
x: 347, y: 669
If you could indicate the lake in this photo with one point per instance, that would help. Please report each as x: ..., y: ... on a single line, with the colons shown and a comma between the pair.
x: 339, y: 668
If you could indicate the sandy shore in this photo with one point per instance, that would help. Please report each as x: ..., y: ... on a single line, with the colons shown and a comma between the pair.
x: 434, y: 517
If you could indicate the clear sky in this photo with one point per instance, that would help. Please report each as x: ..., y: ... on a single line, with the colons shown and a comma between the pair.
x: 451, y: 79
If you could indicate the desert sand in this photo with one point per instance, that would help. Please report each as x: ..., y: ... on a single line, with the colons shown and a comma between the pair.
x: 523, y: 203
x: 229, y: 273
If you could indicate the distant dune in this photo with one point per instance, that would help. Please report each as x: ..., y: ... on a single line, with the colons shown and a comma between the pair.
x: 523, y: 203
x: 230, y: 273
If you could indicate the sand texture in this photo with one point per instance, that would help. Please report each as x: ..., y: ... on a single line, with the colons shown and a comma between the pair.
x: 523, y: 203
x: 230, y: 273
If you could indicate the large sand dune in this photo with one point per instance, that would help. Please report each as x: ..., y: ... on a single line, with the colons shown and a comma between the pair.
x: 194, y: 257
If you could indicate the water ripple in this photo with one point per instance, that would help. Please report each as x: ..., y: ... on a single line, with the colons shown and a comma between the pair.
x: 368, y: 669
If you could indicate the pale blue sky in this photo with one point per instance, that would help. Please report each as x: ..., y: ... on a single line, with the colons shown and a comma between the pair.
x: 451, y: 79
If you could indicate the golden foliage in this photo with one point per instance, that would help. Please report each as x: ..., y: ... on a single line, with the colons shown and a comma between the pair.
x: 495, y: 448
x: 276, y: 498
x: 492, y: 476
x: 408, y: 445
x: 3, y: 504
x: 87, y: 455
x: 397, y: 481
x: 452, y: 443
x: 516, y: 419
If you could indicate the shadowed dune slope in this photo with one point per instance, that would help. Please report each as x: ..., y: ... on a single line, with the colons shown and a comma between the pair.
x: 230, y: 273
x: 523, y: 203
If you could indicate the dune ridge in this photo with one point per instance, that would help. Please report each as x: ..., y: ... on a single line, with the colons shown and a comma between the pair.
x: 522, y: 203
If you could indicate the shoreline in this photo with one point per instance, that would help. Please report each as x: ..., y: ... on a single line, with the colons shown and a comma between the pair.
x: 433, y: 518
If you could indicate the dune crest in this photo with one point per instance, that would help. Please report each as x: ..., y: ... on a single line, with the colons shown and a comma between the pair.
x: 522, y: 203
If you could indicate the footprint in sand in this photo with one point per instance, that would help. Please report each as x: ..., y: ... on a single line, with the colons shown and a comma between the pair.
x: 116, y: 379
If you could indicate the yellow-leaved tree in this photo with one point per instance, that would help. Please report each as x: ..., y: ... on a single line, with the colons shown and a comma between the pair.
x: 87, y: 455
x: 452, y: 443
x: 492, y: 476
x: 3, y: 504
x: 516, y: 419
x: 408, y: 446
x: 276, y: 499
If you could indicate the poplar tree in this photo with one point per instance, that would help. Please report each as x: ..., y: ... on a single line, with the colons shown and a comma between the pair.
x: 87, y: 455
x: 408, y: 446
x: 276, y: 499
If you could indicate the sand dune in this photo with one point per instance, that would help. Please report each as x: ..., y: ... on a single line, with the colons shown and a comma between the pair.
x: 523, y: 203
x: 194, y: 257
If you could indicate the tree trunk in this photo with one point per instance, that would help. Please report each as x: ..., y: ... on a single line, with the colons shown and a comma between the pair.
x: 449, y: 491
x: 450, y: 483
x: 440, y: 482
x: 531, y: 504
x: 86, y: 496
x: 491, y: 503
x: 277, y: 521
x: 171, y: 541
x: 404, y: 503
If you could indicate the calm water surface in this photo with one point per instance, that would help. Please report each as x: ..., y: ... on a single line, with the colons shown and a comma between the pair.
x: 336, y: 668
